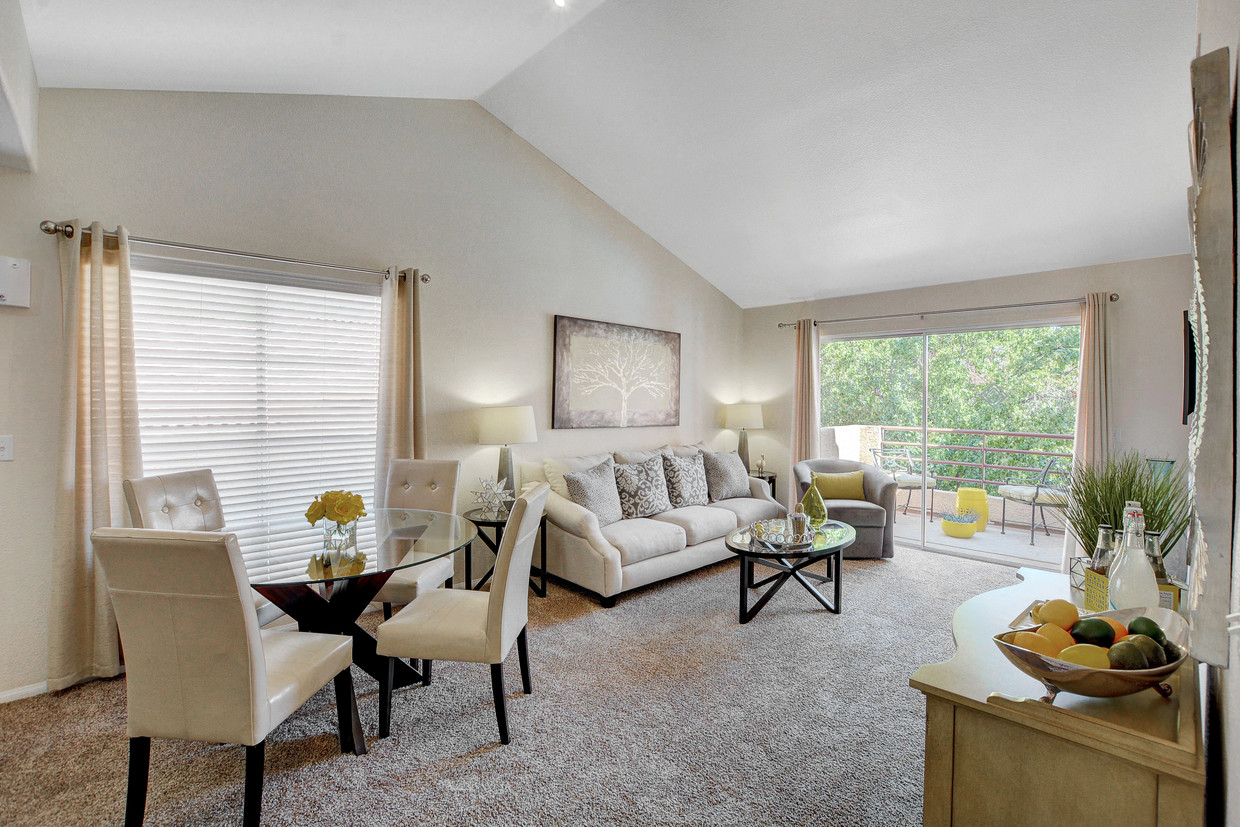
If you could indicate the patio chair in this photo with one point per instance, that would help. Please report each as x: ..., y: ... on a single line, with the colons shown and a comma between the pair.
x: 1037, y: 493
x: 900, y: 464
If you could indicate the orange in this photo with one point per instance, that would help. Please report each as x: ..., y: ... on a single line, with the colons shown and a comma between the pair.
x: 1035, y: 642
x: 1058, y: 637
x: 1121, y: 639
x: 1060, y: 612
x: 1120, y: 629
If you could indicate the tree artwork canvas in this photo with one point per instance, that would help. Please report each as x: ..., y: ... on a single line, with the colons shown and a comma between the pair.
x: 614, y: 376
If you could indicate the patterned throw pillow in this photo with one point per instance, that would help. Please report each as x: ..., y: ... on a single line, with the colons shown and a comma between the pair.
x: 595, y: 489
x: 726, y: 476
x: 686, y: 480
x: 643, y: 489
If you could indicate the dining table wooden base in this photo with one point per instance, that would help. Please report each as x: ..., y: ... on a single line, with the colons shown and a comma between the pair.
x: 333, y: 607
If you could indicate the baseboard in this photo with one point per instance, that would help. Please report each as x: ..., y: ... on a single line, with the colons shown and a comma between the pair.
x: 23, y: 692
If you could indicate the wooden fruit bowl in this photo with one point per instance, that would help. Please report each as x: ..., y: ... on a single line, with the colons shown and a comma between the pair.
x: 1060, y: 676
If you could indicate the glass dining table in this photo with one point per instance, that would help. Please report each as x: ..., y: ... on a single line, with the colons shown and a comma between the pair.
x: 402, y: 538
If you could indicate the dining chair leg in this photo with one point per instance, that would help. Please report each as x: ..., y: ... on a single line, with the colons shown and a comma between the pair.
x: 387, y: 611
x: 139, y: 771
x: 501, y: 708
x: 348, y: 721
x: 253, y: 812
x: 523, y: 656
x: 447, y: 584
x: 385, y: 698
x: 426, y: 671
x: 1003, y: 519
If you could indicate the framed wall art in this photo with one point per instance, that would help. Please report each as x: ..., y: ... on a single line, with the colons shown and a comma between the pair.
x: 614, y: 376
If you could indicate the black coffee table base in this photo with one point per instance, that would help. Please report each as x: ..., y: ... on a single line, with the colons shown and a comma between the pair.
x: 786, y: 572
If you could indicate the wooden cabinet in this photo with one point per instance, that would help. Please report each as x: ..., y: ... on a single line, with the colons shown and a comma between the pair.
x: 995, y: 754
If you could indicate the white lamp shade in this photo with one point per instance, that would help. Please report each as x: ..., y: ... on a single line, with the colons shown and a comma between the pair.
x: 511, y: 425
x: 743, y: 415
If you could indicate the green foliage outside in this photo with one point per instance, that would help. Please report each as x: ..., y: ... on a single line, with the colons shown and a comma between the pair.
x: 994, y: 380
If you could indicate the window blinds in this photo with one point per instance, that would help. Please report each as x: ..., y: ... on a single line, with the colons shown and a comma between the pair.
x: 273, y: 385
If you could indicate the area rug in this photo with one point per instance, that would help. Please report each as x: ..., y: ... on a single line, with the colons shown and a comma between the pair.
x: 661, y: 710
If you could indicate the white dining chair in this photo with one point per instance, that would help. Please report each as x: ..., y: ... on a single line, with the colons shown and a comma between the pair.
x: 472, y: 626
x: 185, y: 501
x: 197, y: 665
x: 423, y: 484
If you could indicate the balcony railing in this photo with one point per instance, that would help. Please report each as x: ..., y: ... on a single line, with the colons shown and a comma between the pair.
x: 985, y: 457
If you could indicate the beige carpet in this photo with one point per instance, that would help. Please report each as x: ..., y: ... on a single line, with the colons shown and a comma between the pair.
x: 662, y: 710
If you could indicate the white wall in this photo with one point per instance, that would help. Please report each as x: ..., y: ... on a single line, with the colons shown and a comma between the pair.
x: 1146, y: 328
x: 19, y: 91
x: 509, y: 239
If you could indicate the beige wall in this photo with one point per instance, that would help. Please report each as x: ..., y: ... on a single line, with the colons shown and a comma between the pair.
x: 509, y: 239
x: 1146, y: 337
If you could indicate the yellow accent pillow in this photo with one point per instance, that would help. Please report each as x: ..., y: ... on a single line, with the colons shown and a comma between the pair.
x: 848, y: 485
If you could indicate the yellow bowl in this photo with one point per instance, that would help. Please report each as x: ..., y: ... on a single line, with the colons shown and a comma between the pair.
x: 962, y: 530
x: 1057, y: 675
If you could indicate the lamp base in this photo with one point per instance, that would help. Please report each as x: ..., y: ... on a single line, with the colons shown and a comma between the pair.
x: 742, y: 448
x: 504, y: 475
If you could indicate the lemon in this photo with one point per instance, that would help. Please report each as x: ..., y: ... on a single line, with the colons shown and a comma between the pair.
x: 1057, y: 636
x: 1036, y: 613
x: 1086, y: 654
x: 1035, y: 642
x: 1060, y: 612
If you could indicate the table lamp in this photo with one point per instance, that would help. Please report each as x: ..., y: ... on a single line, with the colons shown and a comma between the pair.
x: 511, y: 425
x: 742, y: 416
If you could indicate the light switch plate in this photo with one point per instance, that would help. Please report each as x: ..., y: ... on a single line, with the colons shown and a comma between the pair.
x: 14, y: 282
x: 6, y: 449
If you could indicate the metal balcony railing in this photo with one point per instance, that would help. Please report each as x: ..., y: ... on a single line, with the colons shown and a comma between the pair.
x: 992, y: 458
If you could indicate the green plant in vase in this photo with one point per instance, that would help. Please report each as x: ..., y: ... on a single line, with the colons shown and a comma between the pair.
x: 814, y: 507
x: 1099, y: 491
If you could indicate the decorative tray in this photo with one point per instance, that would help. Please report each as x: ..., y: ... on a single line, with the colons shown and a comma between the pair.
x: 777, y: 534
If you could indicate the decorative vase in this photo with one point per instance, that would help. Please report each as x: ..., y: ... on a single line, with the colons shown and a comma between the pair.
x: 814, y: 507
x: 339, y: 542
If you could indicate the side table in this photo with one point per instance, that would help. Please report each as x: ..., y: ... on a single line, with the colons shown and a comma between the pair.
x: 770, y: 478
x: 496, y: 522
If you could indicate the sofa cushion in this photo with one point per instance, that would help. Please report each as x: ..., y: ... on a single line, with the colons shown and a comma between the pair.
x: 700, y: 522
x: 857, y: 513
x: 556, y: 467
x: 642, y: 487
x: 642, y: 538
x: 634, y: 457
x: 726, y: 476
x: 595, y: 489
x: 686, y: 480
x: 748, y: 509
x: 847, y: 485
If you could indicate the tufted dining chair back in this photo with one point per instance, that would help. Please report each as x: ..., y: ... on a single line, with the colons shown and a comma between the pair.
x: 423, y: 483
x: 185, y: 501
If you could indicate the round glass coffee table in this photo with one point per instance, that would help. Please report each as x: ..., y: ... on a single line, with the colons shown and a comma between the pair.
x: 789, y: 563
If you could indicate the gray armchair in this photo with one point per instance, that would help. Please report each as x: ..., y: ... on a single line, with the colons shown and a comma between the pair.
x: 874, y: 518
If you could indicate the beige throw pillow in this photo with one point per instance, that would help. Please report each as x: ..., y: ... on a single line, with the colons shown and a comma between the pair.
x: 556, y: 467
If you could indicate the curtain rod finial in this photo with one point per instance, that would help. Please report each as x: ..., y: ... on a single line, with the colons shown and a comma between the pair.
x: 52, y: 228
x: 425, y: 278
x: 1114, y: 297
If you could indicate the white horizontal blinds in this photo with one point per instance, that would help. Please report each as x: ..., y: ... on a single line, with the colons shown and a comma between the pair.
x: 273, y: 386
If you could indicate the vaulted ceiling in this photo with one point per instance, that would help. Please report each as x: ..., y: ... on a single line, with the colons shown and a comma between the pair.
x: 785, y: 150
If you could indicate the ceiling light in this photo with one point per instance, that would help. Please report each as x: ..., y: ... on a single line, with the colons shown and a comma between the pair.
x: 561, y: 3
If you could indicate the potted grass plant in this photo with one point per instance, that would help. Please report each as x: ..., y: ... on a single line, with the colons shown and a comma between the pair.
x: 1098, y: 492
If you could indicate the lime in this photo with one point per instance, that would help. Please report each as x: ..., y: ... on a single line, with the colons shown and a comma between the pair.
x: 1127, y: 655
x: 1150, y: 648
x: 1093, y: 630
x: 1086, y: 654
x: 1148, y: 627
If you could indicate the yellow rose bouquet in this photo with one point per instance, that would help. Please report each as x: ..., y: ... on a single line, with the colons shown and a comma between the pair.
x: 340, y: 557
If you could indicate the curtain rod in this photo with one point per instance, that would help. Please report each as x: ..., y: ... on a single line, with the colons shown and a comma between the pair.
x: 1113, y: 297
x: 52, y: 228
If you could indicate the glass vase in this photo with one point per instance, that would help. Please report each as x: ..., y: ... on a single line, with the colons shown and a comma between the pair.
x: 814, y: 507
x: 339, y: 542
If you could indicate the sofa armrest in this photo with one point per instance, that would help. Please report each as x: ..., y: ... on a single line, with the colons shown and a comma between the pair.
x: 575, y: 519
x: 761, y: 490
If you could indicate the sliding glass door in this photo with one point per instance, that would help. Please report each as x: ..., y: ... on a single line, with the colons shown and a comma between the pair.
x: 974, y: 425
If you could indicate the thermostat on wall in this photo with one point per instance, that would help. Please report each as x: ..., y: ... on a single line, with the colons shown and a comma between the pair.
x: 14, y: 282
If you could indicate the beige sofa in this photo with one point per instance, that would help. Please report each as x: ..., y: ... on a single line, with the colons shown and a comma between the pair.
x: 635, y: 552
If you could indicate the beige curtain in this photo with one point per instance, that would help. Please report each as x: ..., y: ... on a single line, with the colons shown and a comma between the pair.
x: 806, y: 411
x: 402, y: 420
x: 100, y: 449
x: 1093, y: 402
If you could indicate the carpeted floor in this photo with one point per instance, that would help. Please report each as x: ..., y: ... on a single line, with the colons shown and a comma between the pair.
x: 661, y: 710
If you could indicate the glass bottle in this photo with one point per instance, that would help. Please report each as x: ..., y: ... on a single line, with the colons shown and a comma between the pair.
x: 814, y: 507
x: 1104, y: 550
x: 1153, y: 551
x: 1132, y: 584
